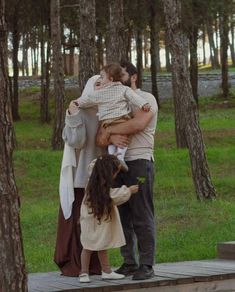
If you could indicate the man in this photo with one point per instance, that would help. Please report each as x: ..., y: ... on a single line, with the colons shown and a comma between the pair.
x: 137, y: 215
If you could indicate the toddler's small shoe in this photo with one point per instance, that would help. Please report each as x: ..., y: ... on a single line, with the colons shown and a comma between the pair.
x: 124, y: 166
x: 84, y: 278
x: 112, y: 276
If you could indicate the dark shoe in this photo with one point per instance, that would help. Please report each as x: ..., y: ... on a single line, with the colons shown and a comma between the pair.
x: 144, y: 272
x: 127, y: 269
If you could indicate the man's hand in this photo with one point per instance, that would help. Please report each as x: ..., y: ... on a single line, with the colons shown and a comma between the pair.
x: 73, y: 107
x: 120, y: 141
x: 103, y: 139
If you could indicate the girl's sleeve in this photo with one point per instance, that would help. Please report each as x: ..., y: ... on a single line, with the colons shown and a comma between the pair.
x: 120, y: 195
x: 134, y: 98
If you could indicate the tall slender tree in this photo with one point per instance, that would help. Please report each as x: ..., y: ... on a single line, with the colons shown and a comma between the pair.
x: 45, y: 63
x: 153, y: 23
x: 115, y: 50
x: 186, y: 114
x: 12, y: 268
x: 87, y: 41
x: 15, y: 42
x: 224, y: 43
x: 58, y: 75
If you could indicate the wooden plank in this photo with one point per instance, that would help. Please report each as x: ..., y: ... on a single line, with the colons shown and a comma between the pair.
x: 166, y: 274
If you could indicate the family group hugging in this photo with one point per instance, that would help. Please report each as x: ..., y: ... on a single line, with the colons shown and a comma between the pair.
x: 109, y: 141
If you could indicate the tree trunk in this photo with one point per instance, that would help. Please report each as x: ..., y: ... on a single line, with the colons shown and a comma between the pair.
x: 128, y: 43
x: 32, y: 60
x: 115, y: 50
x: 42, y: 97
x: 204, y: 45
x: 58, y: 75
x: 194, y: 61
x: 36, y: 53
x: 44, y: 110
x: 66, y: 72
x: 213, y: 50
x: 100, y: 52
x: 12, y: 270
x: 184, y: 102
x: 71, y: 55
x: 232, y: 47
x: 15, y: 42
x: 158, y: 49
x: 224, y: 30
x: 47, y: 87
x: 153, y: 48
x: 87, y: 41
x: 146, y: 50
x: 139, y: 53
x: 167, y: 52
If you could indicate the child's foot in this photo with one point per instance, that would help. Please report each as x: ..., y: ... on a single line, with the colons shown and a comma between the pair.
x: 84, y: 278
x: 112, y: 276
x: 124, y: 165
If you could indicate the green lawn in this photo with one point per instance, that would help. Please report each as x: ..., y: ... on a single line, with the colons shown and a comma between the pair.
x: 186, y: 229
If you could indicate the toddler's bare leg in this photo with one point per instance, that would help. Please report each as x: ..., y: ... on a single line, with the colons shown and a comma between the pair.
x: 85, y: 260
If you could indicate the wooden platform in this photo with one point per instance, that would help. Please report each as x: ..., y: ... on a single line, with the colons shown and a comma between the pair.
x: 226, y: 250
x: 202, y: 276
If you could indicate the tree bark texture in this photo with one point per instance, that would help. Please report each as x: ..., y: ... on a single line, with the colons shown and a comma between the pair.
x: 185, y: 107
x: 213, y: 50
x: 232, y: 46
x: 12, y: 268
x: 58, y: 76
x: 87, y: 54
x: 100, y: 52
x: 204, y: 44
x: 194, y: 61
x: 167, y: 51
x: 224, y: 42
x: 139, y: 53
x: 153, y: 48
x: 15, y: 42
x: 116, y: 50
x: 71, y: 55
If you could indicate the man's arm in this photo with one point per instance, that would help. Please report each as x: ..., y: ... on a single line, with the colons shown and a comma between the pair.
x: 132, y: 126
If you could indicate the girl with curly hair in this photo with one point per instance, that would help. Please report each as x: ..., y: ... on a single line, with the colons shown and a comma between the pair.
x: 101, y: 227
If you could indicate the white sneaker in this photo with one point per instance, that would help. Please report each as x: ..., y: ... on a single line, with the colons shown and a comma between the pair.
x: 112, y: 276
x: 84, y: 278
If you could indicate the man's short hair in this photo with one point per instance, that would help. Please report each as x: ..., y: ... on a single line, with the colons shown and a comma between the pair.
x: 130, y: 68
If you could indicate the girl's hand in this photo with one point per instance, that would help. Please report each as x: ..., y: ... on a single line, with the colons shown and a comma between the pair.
x: 134, y: 189
x: 146, y: 107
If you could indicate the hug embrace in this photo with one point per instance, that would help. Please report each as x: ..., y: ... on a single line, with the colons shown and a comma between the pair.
x: 109, y: 141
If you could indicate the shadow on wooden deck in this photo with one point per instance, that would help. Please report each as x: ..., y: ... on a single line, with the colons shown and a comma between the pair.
x: 216, y: 275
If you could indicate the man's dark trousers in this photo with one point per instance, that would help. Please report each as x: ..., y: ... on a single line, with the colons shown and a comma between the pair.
x: 137, y: 215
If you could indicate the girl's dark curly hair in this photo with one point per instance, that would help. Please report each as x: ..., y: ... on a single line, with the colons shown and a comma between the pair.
x: 99, y: 184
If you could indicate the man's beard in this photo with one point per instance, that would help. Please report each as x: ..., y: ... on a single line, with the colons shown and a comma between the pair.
x: 127, y: 82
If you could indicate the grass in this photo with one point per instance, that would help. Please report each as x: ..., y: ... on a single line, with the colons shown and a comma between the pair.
x: 186, y: 228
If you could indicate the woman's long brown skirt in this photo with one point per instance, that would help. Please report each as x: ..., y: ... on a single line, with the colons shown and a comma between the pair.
x: 68, y: 246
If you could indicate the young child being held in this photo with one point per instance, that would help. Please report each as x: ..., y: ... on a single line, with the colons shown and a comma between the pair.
x: 112, y: 99
x: 101, y: 227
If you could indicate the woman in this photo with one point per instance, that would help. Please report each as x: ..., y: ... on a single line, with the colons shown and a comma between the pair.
x: 68, y: 246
